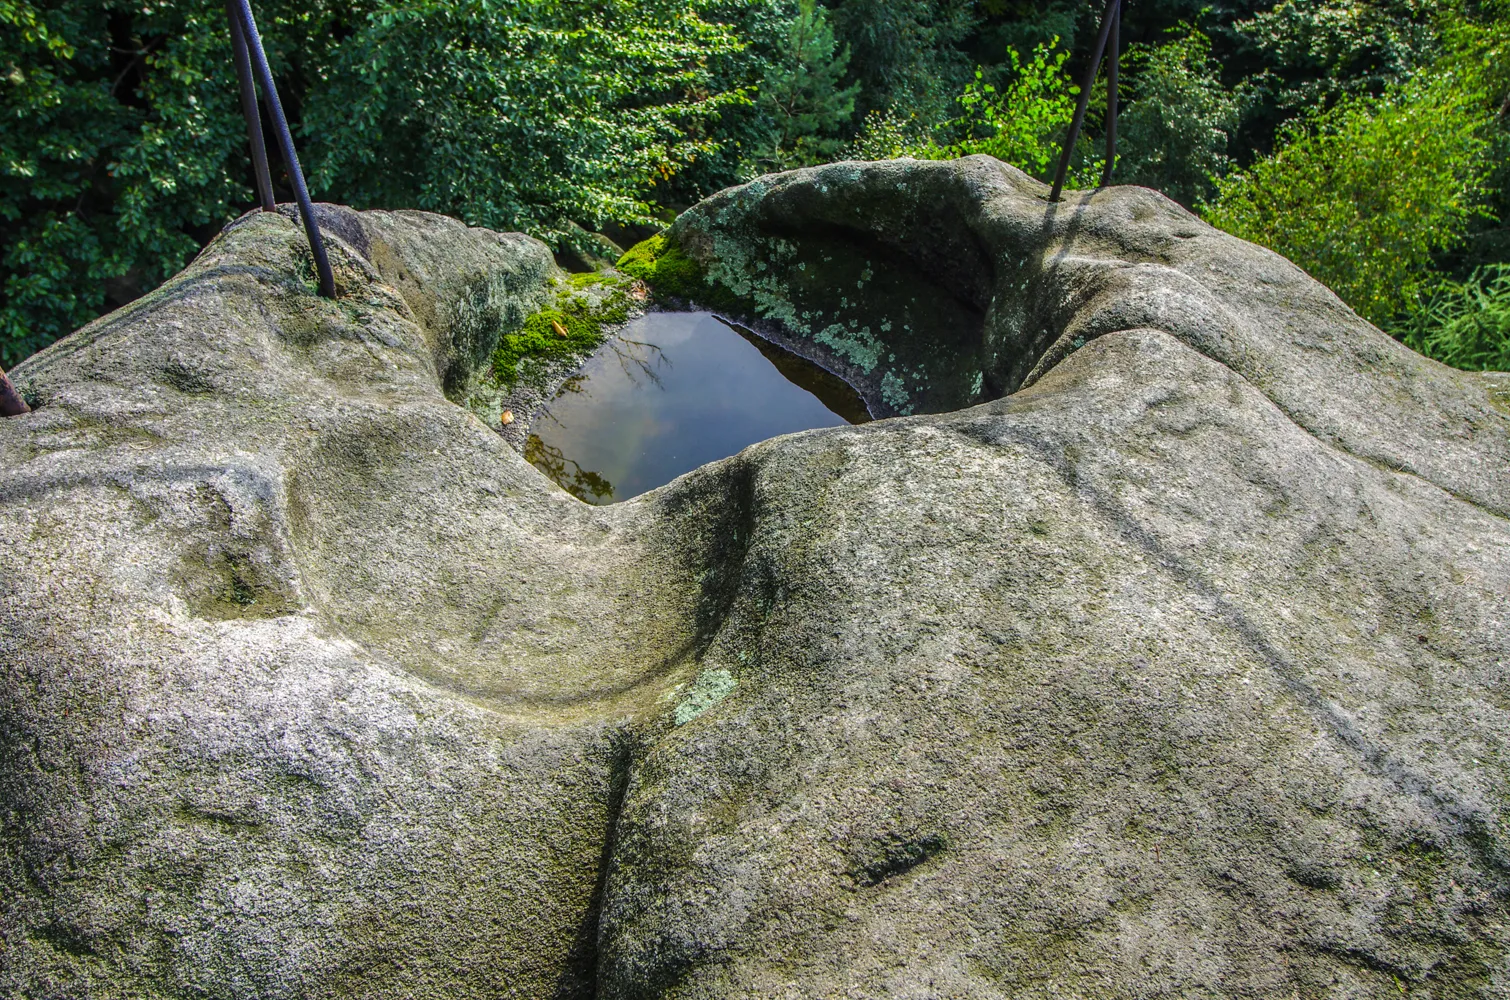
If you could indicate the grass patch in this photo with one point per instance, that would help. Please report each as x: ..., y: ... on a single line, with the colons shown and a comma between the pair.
x: 1464, y: 324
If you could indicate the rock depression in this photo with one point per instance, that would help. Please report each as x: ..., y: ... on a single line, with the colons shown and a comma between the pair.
x: 1163, y: 651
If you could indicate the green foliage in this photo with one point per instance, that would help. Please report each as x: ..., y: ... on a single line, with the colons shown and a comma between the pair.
x: 1018, y: 124
x: 1318, y: 51
x: 1175, y: 133
x: 1477, y: 49
x: 1022, y: 123
x: 803, y: 95
x: 908, y: 54
x: 517, y: 114
x: 113, y: 159
x: 888, y: 134
x: 1025, y: 24
x: 123, y: 148
x: 1025, y: 123
x: 1465, y: 324
x: 1363, y: 195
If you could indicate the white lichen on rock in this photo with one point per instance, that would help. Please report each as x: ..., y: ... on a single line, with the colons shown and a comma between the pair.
x: 710, y: 688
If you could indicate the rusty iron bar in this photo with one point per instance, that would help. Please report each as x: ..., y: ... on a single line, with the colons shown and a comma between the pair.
x: 249, y: 110
x: 1110, y: 20
x: 240, y: 12
x: 11, y: 403
x: 1111, y: 97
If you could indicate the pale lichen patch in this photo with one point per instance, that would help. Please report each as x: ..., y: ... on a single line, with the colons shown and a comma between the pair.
x: 710, y: 688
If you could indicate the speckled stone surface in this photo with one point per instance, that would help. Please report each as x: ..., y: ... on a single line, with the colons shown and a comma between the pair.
x: 1171, y: 659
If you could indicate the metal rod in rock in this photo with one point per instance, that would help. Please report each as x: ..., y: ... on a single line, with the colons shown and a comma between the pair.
x: 11, y: 403
x: 1111, y: 97
x: 264, y: 75
x: 249, y: 110
x: 1112, y: 6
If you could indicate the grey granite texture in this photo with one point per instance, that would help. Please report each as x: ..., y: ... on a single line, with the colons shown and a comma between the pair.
x: 1170, y: 660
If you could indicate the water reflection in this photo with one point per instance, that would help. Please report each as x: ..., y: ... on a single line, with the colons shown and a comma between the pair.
x: 577, y: 481
x: 832, y: 391
x: 673, y: 392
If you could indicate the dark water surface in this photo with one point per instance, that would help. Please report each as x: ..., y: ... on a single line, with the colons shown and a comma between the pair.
x: 675, y: 391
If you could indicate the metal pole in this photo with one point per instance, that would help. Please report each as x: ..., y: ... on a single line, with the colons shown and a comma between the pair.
x: 11, y: 403
x: 1111, y: 97
x: 1085, y: 97
x: 249, y: 110
x: 286, y: 146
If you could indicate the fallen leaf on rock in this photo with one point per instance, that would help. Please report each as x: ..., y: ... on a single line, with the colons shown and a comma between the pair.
x: 506, y: 417
x: 560, y: 330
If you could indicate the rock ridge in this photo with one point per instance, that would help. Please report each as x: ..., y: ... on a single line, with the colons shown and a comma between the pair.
x: 1161, y: 651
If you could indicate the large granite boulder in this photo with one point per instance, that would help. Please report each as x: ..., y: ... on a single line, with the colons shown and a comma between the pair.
x: 1172, y: 660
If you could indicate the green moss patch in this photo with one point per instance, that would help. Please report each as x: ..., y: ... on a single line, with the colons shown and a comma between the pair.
x: 662, y: 265
x: 591, y: 279
x: 583, y: 320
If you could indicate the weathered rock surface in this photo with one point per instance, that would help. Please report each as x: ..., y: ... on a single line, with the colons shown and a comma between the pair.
x: 1182, y: 670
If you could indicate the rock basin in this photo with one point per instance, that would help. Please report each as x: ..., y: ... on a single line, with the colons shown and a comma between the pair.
x: 673, y: 391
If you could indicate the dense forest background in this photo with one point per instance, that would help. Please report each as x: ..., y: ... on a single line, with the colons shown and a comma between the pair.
x: 1368, y: 140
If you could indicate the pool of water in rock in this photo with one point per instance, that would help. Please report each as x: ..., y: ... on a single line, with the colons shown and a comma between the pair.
x: 674, y: 391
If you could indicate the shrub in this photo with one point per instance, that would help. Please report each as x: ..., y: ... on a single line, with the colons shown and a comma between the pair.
x: 1022, y: 122
x: 1362, y: 196
x: 1465, y: 324
x: 1175, y: 132
x: 517, y: 114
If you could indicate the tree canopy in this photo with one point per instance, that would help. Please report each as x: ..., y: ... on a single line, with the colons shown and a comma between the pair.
x: 1369, y: 140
